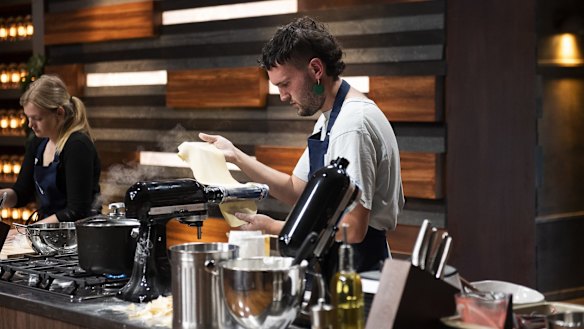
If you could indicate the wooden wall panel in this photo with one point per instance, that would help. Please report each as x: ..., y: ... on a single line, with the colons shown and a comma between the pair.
x: 104, y: 23
x: 109, y: 158
x: 282, y: 158
x: 421, y: 172
x: 213, y: 230
x: 72, y: 74
x: 401, y: 240
x: 221, y: 87
x: 405, y: 99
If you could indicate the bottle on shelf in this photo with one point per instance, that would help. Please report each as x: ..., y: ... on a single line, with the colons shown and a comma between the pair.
x: 29, y: 26
x: 14, y: 123
x: 4, y: 122
x: 4, y: 76
x: 11, y: 25
x: 20, y: 28
x: 22, y: 71
x: 6, y: 213
x: 3, y: 30
x: 16, y: 165
x: 14, y: 75
x: 6, y: 169
x: 346, y: 289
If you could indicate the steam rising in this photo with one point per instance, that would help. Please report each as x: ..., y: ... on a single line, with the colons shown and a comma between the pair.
x: 119, y: 177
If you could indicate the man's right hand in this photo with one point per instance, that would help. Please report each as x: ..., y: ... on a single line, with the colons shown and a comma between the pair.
x: 222, y: 144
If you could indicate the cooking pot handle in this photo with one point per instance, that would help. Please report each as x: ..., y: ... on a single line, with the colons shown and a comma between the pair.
x: 210, y: 267
x: 21, y: 226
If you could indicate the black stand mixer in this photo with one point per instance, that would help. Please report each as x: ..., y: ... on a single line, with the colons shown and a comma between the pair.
x: 309, y: 232
x: 154, y: 203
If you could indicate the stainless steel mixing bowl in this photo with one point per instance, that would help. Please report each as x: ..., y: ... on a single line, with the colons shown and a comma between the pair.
x: 262, y: 292
x: 51, y: 238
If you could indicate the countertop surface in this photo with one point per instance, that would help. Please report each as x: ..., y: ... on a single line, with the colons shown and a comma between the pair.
x: 107, y: 312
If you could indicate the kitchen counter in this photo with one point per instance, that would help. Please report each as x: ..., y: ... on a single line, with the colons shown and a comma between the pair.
x: 21, y: 307
x: 37, y: 307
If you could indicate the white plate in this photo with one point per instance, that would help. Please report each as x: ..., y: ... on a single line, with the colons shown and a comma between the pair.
x: 521, y: 294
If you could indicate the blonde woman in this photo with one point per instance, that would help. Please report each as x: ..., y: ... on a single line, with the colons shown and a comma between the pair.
x: 61, y: 166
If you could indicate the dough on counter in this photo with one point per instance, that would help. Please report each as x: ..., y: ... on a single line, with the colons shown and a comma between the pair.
x: 209, y: 168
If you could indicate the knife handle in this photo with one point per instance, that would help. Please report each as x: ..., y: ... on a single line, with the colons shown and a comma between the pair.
x: 442, y: 256
x: 427, y: 259
x: 416, y: 252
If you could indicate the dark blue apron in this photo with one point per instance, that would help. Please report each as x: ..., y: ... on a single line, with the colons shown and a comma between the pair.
x: 51, y: 199
x: 373, y: 249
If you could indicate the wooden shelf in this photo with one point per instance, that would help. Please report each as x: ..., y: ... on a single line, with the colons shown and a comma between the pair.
x: 15, y: 47
x: 12, y: 140
x: 10, y: 93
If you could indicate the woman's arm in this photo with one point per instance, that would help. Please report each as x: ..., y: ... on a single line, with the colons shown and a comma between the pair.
x: 78, y: 159
x: 24, y: 188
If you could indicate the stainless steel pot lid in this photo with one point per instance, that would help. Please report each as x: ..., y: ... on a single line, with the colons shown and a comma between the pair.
x: 105, y: 221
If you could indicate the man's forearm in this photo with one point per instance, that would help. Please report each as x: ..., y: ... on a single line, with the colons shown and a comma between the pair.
x: 281, y: 185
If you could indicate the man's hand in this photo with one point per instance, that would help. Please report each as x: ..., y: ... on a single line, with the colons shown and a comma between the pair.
x: 260, y: 222
x: 222, y: 144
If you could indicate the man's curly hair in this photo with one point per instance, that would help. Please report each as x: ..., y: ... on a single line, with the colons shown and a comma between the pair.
x: 299, y: 42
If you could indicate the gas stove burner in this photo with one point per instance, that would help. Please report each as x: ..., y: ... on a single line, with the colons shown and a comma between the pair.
x: 60, y: 275
x: 43, y: 262
x: 113, y: 287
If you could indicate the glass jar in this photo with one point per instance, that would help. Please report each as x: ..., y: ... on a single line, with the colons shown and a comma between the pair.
x: 16, y: 166
x: 20, y: 28
x: 4, y: 76
x: 4, y: 121
x: 11, y: 25
x: 3, y: 30
x: 29, y: 26
x: 14, y: 75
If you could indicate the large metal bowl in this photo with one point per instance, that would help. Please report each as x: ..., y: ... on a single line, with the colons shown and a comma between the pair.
x: 51, y: 238
x: 262, y: 292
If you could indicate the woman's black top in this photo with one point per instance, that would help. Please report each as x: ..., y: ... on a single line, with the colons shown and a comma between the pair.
x: 77, y: 177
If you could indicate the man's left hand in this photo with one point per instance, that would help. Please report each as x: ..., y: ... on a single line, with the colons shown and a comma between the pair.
x: 259, y: 222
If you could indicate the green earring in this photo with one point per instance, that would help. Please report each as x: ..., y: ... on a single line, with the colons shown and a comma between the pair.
x: 318, y: 88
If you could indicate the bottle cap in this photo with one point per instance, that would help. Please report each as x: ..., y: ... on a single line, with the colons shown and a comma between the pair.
x: 322, y: 316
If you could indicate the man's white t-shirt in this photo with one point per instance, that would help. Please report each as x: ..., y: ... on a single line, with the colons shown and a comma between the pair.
x: 362, y: 134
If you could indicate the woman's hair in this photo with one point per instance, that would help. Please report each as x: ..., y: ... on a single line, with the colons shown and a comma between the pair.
x: 49, y: 92
x: 299, y: 42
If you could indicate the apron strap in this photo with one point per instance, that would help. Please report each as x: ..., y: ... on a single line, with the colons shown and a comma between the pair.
x: 317, y: 148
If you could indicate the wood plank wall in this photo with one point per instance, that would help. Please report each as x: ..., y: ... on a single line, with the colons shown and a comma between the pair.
x: 101, y: 23
x: 400, y: 45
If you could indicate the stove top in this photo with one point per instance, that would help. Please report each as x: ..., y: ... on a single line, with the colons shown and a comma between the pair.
x: 59, y: 275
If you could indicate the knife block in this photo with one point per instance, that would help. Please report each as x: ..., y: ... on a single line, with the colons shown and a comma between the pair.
x: 409, y: 297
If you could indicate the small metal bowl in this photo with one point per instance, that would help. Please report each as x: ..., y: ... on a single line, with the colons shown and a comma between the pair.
x: 51, y: 238
x: 566, y: 320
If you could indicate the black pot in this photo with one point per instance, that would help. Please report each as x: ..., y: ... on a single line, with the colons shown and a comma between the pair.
x: 106, y: 244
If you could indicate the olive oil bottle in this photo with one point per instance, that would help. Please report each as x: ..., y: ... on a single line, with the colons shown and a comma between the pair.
x: 347, y: 292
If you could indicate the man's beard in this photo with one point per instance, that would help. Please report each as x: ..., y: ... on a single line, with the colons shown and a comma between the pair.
x: 311, y: 102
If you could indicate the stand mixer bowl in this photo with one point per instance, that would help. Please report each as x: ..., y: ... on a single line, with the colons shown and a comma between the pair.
x: 262, y: 292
